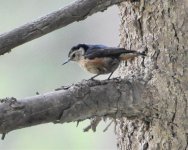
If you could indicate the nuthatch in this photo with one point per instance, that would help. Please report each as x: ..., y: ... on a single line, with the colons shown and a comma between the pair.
x: 100, y: 59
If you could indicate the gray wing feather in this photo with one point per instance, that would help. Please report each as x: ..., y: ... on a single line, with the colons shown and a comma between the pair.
x: 107, y: 52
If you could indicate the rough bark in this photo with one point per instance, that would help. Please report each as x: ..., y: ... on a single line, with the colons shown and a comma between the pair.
x: 76, y: 11
x: 112, y: 98
x: 162, y: 27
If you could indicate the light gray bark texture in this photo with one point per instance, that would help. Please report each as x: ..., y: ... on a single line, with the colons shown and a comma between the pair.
x: 162, y: 27
x: 112, y: 98
x: 76, y: 11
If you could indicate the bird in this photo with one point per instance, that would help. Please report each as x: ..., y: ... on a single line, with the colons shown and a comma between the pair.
x: 100, y: 59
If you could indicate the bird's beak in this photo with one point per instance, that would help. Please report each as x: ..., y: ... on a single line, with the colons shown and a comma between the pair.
x: 66, y: 61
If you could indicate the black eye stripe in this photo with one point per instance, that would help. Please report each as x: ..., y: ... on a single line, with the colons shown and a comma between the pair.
x: 75, y: 48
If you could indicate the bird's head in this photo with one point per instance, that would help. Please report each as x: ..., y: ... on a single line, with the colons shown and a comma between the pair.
x: 77, y: 53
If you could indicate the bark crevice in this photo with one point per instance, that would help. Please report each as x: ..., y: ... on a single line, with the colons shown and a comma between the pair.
x: 163, y: 25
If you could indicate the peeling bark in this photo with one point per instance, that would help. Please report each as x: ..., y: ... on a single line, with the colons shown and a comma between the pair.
x: 162, y: 27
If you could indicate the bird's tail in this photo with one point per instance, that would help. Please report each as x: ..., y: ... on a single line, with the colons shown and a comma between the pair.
x: 141, y: 53
x: 131, y: 55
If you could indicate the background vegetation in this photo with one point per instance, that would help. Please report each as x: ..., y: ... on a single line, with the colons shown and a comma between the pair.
x: 36, y: 66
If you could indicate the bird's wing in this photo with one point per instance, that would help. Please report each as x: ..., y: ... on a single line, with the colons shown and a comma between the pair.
x: 107, y: 52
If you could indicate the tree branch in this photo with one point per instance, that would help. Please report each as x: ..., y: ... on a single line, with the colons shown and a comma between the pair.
x: 76, y: 11
x: 87, y: 99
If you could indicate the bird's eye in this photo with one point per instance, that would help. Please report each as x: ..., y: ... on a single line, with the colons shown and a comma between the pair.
x: 73, y: 55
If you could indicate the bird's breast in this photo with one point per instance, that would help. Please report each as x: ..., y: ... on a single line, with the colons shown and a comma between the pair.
x: 99, y: 65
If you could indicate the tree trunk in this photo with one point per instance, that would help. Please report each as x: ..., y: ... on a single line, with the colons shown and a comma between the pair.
x: 161, y: 27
